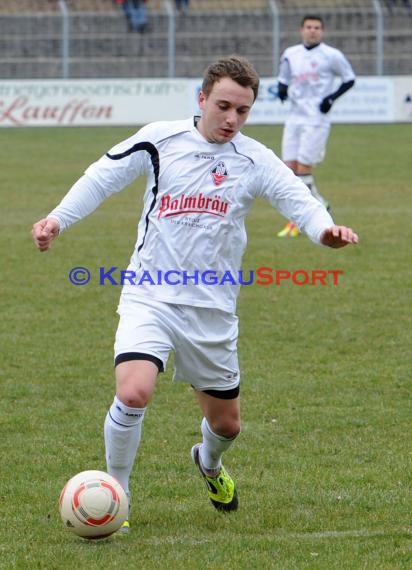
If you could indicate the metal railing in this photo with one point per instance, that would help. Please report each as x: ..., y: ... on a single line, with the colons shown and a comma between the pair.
x: 70, y: 43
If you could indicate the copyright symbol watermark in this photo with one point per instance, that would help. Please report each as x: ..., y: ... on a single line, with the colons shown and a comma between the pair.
x: 79, y: 275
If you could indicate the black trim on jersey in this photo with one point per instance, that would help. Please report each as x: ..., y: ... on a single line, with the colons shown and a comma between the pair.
x: 312, y: 46
x: 154, y: 155
x: 128, y: 356
x: 241, y: 153
x: 222, y: 394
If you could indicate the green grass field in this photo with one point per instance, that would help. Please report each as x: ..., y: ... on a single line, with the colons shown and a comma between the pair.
x: 323, y: 465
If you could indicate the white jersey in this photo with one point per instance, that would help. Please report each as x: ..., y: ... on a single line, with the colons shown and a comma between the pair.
x: 194, y: 206
x: 310, y: 75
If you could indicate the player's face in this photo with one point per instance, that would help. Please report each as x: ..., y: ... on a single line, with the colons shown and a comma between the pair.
x: 311, y: 32
x: 224, y: 110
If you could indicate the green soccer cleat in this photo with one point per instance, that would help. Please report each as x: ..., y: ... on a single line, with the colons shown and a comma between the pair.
x: 220, y: 488
x: 125, y: 528
x: 290, y: 230
x: 294, y: 232
x: 286, y: 230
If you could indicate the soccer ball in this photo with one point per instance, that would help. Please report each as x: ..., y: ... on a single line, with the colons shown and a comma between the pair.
x: 93, y: 504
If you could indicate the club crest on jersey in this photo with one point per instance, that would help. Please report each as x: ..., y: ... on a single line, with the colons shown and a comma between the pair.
x: 219, y: 173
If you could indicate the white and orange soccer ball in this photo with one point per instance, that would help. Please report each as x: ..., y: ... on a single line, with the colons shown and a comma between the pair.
x: 93, y: 504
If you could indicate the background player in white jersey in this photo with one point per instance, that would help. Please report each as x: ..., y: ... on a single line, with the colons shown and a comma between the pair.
x: 307, y: 76
x: 202, y: 178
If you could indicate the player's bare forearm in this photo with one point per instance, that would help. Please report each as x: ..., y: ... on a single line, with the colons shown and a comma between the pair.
x: 338, y: 236
x: 44, y: 232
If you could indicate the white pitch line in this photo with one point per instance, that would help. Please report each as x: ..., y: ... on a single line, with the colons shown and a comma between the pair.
x: 328, y: 534
x: 346, y: 533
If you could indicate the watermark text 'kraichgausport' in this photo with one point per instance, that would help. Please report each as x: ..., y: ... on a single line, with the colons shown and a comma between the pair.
x: 263, y: 276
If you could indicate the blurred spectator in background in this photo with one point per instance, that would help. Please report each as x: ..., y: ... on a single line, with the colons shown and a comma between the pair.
x: 395, y: 3
x: 182, y: 6
x: 136, y: 14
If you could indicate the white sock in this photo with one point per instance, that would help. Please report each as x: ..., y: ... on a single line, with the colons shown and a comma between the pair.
x: 309, y: 180
x: 213, y: 447
x: 122, y: 434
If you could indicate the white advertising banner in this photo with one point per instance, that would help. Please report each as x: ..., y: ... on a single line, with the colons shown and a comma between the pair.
x: 105, y: 102
x: 101, y: 102
x: 370, y: 101
x: 403, y: 99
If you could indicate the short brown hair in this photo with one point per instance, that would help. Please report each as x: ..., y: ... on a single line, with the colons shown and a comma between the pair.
x: 237, y: 68
x: 312, y: 17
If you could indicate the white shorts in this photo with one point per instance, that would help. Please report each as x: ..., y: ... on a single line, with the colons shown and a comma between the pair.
x: 204, y: 340
x: 304, y: 143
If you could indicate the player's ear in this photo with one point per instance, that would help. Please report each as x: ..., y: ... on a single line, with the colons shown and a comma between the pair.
x: 201, y: 99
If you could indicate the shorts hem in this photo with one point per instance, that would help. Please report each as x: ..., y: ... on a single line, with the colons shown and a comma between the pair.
x: 129, y: 356
x: 223, y: 394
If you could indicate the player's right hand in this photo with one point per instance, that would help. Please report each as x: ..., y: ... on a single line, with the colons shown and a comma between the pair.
x: 44, y: 232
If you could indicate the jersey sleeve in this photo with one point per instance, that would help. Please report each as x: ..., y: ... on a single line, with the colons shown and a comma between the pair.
x: 122, y: 164
x: 292, y: 198
x: 82, y: 199
x: 108, y: 175
x: 284, y: 69
x: 342, y: 67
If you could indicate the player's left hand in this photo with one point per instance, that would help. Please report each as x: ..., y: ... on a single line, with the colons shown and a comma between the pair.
x: 326, y: 105
x: 338, y: 236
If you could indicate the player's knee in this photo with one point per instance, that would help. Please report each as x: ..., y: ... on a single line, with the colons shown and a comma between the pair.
x: 133, y: 393
x: 135, y: 383
x: 133, y: 400
x: 227, y: 427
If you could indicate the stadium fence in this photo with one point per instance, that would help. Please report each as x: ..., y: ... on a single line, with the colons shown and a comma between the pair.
x: 52, y: 39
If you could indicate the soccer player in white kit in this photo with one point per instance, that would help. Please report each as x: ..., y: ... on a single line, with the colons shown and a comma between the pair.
x: 202, y: 178
x: 307, y: 77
